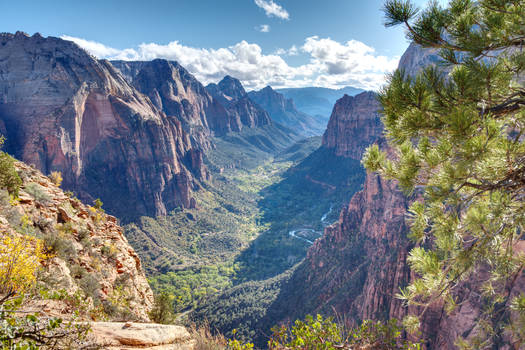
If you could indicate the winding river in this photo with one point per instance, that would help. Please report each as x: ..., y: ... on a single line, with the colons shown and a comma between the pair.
x: 293, y: 233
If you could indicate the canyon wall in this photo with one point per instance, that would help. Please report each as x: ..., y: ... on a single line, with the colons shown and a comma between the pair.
x: 354, y: 125
x: 63, y: 110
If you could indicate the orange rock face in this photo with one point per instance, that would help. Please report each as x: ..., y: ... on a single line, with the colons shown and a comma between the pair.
x: 354, y: 125
x: 63, y: 110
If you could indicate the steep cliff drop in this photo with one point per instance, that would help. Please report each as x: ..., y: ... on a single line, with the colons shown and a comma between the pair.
x: 63, y: 110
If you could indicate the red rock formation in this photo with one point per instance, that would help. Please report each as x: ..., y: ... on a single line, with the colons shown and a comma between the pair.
x: 66, y: 111
x: 176, y: 92
x: 354, y: 125
x: 358, y: 265
x: 242, y: 111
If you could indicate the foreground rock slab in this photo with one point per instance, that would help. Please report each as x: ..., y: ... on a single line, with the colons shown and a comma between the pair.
x: 119, y: 335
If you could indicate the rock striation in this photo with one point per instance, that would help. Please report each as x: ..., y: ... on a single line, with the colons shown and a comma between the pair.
x: 416, y: 58
x: 173, y: 90
x: 63, y: 110
x: 242, y: 111
x: 355, y: 123
x: 283, y: 111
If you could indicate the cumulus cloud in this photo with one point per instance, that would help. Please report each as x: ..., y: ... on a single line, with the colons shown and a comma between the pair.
x: 328, y: 63
x: 93, y: 47
x: 292, y: 51
x: 272, y: 9
x: 263, y: 28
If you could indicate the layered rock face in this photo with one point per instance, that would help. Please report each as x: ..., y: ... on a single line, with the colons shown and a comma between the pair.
x: 136, y: 336
x: 354, y: 125
x: 173, y: 90
x: 283, y: 111
x: 63, y: 110
x: 242, y: 111
x: 416, y: 58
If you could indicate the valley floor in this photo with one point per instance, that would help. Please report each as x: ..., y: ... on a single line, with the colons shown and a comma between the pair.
x: 253, y: 221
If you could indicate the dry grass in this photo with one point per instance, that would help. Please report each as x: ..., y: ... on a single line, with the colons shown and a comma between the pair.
x: 206, y: 339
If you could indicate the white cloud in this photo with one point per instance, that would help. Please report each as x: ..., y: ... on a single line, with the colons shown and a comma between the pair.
x: 292, y: 51
x: 96, y: 49
x: 272, y: 9
x: 328, y: 63
x: 263, y: 28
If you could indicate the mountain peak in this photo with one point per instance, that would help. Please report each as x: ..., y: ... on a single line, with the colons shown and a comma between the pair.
x: 231, y: 87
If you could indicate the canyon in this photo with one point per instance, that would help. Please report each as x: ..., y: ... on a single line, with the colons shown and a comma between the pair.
x: 233, y: 201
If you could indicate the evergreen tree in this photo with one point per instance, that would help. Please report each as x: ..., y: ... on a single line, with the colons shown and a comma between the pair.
x: 456, y: 133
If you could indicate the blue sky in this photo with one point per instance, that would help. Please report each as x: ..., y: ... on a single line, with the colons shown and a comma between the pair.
x: 330, y: 43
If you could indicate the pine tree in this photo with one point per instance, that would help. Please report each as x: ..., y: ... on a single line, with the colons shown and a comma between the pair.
x: 456, y: 133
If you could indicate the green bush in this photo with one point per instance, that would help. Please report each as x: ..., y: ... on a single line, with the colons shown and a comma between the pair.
x: 54, y: 243
x: 323, y: 334
x: 9, y: 178
x: 37, y: 192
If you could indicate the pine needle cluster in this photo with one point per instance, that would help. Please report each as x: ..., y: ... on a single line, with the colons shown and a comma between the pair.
x: 456, y: 133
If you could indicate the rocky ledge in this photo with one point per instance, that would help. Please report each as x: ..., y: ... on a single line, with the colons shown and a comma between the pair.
x: 117, y: 336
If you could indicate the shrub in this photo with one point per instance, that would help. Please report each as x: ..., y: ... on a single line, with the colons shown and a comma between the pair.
x: 9, y: 178
x: 20, y: 258
x: 319, y: 333
x: 97, y: 203
x: 89, y: 284
x: 37, y: 192
x: 54, y: 243
x: 56, y: 177
x: 205, y: 339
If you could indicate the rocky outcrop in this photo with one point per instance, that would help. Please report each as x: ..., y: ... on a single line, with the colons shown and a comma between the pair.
x: 354, y: 125
x: 134, y: 336
x: 89, y: 253
x: 242, y: 111
x: 227, y: 90
x: 283, y: 111
x: 65, y: 111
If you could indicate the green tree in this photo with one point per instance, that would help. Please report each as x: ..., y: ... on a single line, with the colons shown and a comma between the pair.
x: 162, y: 311
x: 9, y: 178
x: 456, y: 139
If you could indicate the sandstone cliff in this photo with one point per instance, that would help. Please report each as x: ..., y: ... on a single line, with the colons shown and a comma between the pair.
x: 173, y: 90
x: 283, y: 111
x: 242, y: 111
x: 354, y: 125
x: 415, y: 58
x: 61, y: 109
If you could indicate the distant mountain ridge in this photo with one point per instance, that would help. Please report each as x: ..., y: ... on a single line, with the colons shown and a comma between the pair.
x: 317, y: 101
x: 283, y: 111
